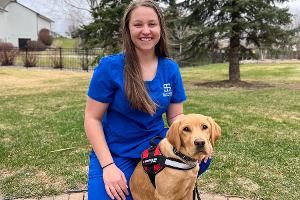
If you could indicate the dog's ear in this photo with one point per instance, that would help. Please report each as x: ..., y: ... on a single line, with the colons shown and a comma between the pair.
x: 215, y: 130
x: 173, y: 134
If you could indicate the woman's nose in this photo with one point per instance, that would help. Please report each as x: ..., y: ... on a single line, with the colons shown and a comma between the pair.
x: 146, y: 29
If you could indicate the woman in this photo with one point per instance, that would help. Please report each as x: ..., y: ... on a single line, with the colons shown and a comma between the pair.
x: 128, y: 94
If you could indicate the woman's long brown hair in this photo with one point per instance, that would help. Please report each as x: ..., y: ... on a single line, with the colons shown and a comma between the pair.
x: 135, y: 88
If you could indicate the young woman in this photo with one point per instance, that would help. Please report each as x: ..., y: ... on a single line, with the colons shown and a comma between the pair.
x: 128, y: 94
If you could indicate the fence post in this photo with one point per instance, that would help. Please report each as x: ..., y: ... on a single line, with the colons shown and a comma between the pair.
x: 81, y: 59
x: 26, y: 57
x: 87, y: 59
x: 60, y: 59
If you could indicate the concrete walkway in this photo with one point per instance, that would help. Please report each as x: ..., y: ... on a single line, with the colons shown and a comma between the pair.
x: 83, y: 196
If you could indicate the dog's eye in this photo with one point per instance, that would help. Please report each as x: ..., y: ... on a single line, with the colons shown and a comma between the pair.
x: 187, y: 129
x: 204, y: 127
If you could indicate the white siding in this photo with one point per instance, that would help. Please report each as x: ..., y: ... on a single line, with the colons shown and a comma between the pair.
x: 42, y: 23
x: 3, y: 18
x: 1, y: 26
x: 20, y: 22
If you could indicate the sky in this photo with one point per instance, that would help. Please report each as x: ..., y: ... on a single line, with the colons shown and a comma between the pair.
x: 61, y: 13
x: 64, y: 15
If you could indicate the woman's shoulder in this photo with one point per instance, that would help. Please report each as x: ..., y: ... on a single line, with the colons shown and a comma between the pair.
x: 168, y: 62
x: 110, y: 66
x: 113, y: 59
x: 169, y: 65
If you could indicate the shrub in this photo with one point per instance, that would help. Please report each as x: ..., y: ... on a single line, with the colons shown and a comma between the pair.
x: 84, y: 65
x: 30, y: 60
x: 33, y: 45
x: 45, y: 37
x: 57, y: 59
x: 8, y: 54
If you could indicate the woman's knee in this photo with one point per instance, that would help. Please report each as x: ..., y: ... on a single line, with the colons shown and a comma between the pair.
x: 96, y: 189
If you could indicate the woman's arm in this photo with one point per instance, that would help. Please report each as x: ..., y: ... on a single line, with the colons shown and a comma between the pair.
x: 114, y: 179
x: 175, y: 111
x: 94, y: 131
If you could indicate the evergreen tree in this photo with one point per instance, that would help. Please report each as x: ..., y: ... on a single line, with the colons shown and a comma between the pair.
x: 104, y: 31
x: 259, y: 22
x: 177, y: 29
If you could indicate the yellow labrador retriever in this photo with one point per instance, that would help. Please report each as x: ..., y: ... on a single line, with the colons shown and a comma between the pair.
x: 192, y: 136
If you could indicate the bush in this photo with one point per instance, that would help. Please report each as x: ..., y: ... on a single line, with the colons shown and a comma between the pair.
x: 33, y: 45
x: 57, y: 63
x: 45, y: 37
x: 8, y: 54
x: 30, y: 60
x: 57, y: 59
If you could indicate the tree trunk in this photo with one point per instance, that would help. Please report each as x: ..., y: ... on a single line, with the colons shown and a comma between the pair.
x: 234, y: 65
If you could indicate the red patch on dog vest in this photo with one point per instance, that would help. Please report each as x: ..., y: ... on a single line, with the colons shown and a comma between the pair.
x: 149, y: 160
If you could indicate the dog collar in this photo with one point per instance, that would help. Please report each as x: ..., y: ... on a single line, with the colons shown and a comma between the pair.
x: 153, y: 156
x: 182, y: 156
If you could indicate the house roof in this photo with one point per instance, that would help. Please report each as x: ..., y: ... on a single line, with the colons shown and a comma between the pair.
x: 45, y: 18
x: 4, y: 3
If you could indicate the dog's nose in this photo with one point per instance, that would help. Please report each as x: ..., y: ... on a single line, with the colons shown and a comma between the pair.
x: 199, y: 143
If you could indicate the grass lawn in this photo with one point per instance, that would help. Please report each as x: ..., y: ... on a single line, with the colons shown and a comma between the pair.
x: 44, y: 151
x: 65, y: 42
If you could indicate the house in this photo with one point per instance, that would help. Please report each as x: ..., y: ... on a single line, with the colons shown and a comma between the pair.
x: 18, y: 23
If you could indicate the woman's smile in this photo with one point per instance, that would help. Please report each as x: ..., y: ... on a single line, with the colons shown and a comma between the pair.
x: 144, y: 28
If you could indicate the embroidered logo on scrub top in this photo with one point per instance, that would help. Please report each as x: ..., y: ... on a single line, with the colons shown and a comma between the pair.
x: 167, y: 90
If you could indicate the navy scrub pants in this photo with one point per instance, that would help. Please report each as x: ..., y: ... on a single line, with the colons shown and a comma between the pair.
x: 96, y: 188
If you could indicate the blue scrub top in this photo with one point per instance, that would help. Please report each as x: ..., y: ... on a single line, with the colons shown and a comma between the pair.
x: 127, y: 130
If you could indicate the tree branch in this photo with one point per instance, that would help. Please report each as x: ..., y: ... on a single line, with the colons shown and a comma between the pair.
x: 72, y: 5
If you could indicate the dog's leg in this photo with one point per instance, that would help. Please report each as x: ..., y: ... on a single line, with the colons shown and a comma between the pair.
x: 140, y: 185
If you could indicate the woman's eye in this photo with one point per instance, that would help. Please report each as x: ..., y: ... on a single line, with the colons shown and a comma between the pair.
x: 204, y: 127
x: 137, y: 25
x: 187, y: 129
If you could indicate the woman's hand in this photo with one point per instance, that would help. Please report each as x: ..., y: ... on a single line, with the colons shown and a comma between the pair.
x: 206, y: 158
x: 115, y: 182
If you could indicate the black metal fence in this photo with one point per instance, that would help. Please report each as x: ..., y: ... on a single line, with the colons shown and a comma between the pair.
x: 57, y: 58
x: 87, y: 59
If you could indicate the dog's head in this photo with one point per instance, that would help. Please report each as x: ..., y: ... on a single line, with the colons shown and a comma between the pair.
x: 194, y: 135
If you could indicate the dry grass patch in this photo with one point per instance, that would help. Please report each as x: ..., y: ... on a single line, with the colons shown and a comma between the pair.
x: 24, y: 81
x: 248, y: 184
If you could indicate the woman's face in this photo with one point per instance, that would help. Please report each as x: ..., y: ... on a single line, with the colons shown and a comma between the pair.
x: 144, y: 28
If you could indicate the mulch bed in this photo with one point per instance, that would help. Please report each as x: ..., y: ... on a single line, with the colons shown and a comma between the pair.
x: 234, y: 84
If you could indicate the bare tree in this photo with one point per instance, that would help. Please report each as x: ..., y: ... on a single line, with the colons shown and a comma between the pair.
x: 86, y: 5
x: 74, y: 20
x: 296, y: 24
x: 72, y: 13
x: 93, y: 3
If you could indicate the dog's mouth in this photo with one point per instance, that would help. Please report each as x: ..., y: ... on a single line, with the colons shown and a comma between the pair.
x: 200, y: 151
x: 202, y: 147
